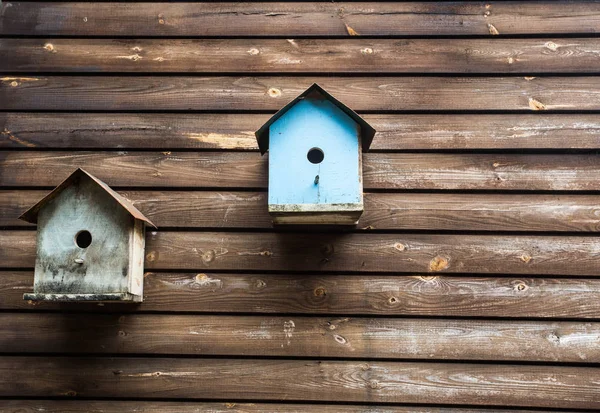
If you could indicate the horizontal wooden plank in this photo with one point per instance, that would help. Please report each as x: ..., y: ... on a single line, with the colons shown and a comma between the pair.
x: 345, y: 337
x: 383, y: 211
x: 493, y: 254
x: 406, y: 171
x: 271, y: 93
x: 236, y: 131
x: 570, y: 55
x: 389, y: 295
x: 299, y: 19
x: 291, y: 380
x: 107, y: 406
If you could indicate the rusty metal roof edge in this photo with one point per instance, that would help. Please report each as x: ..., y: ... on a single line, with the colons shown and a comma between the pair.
x: 31, y: 214
x: 367, y: 131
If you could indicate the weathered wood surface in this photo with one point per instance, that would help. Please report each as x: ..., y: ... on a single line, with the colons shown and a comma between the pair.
x: 376, y: 295
x: 404, y: 252
x: 383, y: 211
x: 291, y: 380
x: 560, y: 55
x: 107, y: 406
x: 406, y: 171
x: 270, y: 93
x: 343, y: 337
x: 236, y: 131
x: 299, y: 19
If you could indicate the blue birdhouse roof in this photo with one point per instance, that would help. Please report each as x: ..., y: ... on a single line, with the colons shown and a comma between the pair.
x: 316, y: 92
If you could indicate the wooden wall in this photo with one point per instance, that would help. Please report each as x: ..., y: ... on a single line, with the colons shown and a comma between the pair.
x: 470, y: 284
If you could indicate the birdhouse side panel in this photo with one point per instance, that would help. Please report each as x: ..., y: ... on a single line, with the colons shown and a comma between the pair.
x: 82, y: 214
x: 314, y: 156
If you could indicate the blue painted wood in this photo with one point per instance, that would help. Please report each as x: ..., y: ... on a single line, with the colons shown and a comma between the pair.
x: 314, y: 123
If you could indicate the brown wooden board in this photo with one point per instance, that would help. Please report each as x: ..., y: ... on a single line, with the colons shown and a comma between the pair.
x: 107, y: 406
x: 306, y: 380
x: 299, y: 19
x: 404, y: 252
x: 342, y: 337
x: 560, y: 55
x: 270, y: 93
x: 405, y: 171
x: 376, y: 295
x: 383, y: 211
x: 236, y: 131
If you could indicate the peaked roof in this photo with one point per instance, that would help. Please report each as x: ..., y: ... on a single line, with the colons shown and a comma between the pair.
x: 315, y: 91
x: 32, y: 213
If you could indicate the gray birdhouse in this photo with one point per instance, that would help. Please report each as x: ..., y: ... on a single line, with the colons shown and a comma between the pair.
x: 315, y: 146
x: 90, y: 243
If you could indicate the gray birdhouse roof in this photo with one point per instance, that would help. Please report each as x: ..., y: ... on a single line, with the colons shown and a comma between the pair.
x: 315, y: 91
x: 32, y: 213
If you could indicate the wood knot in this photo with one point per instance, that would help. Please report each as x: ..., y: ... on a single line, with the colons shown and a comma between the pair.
x: 399, y: 246
x: 327, y: 249
x: 393, y: 300
x: 510, y: 60
x: 367, y: 50
x: 525, y: 258
x: 274, y: 92
x: 536, y: 104
x: 438, y: 263
x: 428, y: 278
x: 374, y: 384
x: 254, y: 51
x: 71, y: 393
x: 492, y: 29
x: 260, y: 284
x: 208, y: 256
x: 339, y: 339
x: 230, y: 405
x: 151, y: 256
x: 85, y: 19
x: 551, y: 46
x: 49, y: 47
x: 161, y: 19
x: 521, y: 286
x: 320, y: 292
x: 487, y: 13
x: 122, y: 333
x: 365, y: 367
x: 14, y: 83
x: 554, y: 338
x: 266, y: 253
x: 136, y: 49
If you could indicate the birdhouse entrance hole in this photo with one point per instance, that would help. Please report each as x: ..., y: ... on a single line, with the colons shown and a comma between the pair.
x: 315, y: 155
x: 83, y: 239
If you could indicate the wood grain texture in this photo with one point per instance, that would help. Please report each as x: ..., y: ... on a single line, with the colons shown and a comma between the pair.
x: 491, y: 254
x: 291, y: 380
x: 383, y: 211
x: 107, y: 406
x: 570, y: 55
x: 343, y: 337
x: 375, y: 295
x: 270, y: 93
x: 299, y: 19
x: 406, y: 171
x: 236, y: 131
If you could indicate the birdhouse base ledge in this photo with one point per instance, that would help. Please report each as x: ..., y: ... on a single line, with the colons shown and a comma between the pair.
x: 126, y: 297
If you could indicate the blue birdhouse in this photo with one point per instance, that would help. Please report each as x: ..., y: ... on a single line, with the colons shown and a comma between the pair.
x: 315, y: 146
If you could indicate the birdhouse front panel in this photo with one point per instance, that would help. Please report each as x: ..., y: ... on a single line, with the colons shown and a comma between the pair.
x: 83, y: 243
x: 314, y: 161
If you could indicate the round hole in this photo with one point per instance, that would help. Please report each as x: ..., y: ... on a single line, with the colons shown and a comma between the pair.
x: 83, y: 239
x: 315, y: 155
